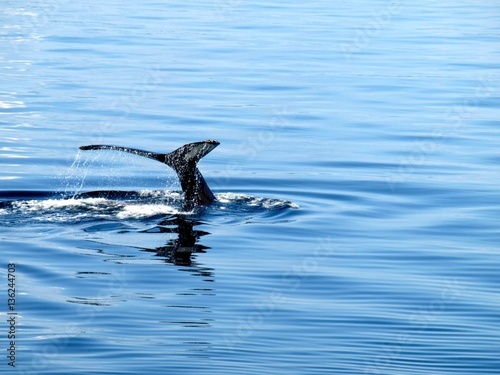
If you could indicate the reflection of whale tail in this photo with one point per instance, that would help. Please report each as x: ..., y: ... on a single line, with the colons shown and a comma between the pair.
x: 183, y: 161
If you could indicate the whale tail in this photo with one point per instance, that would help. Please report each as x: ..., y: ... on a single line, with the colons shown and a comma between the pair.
x: 184, y: 162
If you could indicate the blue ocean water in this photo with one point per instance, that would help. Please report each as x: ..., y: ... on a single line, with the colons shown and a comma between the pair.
x: 357, y: 181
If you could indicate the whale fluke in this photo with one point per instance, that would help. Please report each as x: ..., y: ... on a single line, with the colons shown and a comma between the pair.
x: 184, y: 162
x: 151, y: 155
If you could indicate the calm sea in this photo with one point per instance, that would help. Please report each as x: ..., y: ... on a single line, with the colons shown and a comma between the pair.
x: 355, y: 230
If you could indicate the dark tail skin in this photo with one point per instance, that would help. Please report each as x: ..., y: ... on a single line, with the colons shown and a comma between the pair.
x: 183, y: 161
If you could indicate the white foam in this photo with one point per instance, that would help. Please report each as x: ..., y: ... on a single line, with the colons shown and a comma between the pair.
x: 57, y: 203
x: 137, y: 211
x: 267, y: 203
x: 230, y: 197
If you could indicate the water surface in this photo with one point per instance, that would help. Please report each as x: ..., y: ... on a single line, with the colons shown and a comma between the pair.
x: 357, y: 184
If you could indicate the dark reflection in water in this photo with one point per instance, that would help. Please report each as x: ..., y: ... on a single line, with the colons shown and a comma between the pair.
x: 186, y: 309
x: 179, y: 250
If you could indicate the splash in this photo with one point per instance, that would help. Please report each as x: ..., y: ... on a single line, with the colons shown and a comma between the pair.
x: 72, y: 210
